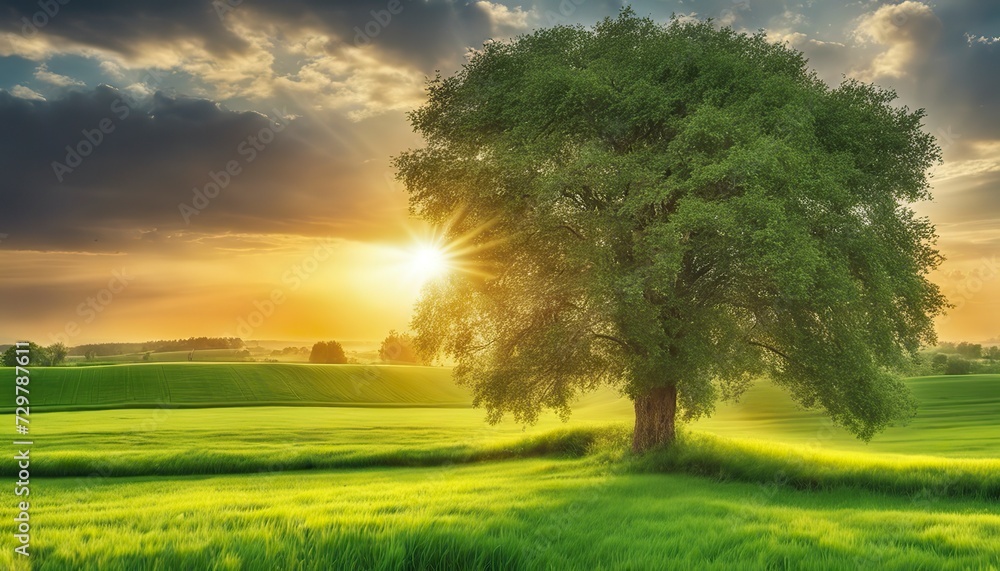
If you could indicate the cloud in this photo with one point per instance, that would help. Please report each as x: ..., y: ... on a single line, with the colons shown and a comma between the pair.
x: 687, y: 18
x: 352, y: 79
x: 987, y: 40
x: 26, y: 93
x: 112, y: 70
x: 507, y: 21
x: 734, y: 13
x: 905, y: 34
x: 828, y: 58
x: 357, y: 53
x: 132, y: 164
x: 42, y: 73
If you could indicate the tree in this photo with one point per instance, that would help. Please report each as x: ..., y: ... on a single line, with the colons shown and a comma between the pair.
x: 957, y: 366
x: 672, y: 210
x: 939, y: 362
x: 38, y: 356
x: 947, y: 347
x: 327, y: 352
x: 57, y: 353
x: 970, y: 350
x: 399, y: 348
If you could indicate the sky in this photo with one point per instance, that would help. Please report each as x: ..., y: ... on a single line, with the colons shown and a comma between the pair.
x: 198, y: 167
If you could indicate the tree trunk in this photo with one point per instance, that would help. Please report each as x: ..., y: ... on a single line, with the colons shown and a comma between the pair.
x: 654, y: 418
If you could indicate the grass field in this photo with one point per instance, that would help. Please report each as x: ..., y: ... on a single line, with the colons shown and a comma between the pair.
x: 957, y: 416
x: 200, y: 355
x: 403, y: 474
x: 538, y: 514
x: 236, y: 384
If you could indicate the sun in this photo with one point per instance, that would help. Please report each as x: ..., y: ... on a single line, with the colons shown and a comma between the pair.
x: 428, y: 261
x: 434, y: 253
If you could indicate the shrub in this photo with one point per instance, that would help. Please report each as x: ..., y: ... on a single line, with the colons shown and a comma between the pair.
x: 957, y: 366
x: 327, y: 352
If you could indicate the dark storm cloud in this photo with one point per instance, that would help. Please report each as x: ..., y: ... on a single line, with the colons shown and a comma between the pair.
x: 424, y: 33
x: 965, y: 75
x: 142, y: 161
x: 119, y: 25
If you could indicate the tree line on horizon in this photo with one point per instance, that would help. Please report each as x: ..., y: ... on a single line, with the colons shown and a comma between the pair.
x: 396, y: 348
x: 158, y: 346
x: 50, y: 356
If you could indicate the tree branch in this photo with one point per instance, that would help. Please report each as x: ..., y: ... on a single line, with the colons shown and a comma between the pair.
x: 773, y: 350
x: 574, y: 231
x: 621, y: 342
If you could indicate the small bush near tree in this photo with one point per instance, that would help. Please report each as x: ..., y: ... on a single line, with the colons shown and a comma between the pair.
x: 939, y: 361
x: 327, y: 352
x: 399, y: 348
x: 958, y: 366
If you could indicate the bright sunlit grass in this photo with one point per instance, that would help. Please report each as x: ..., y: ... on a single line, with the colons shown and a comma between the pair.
x: 394, y: 471
x: 546, y: 513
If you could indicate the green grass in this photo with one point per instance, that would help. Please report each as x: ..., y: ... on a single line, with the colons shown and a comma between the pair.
x: 395, y: 471
x: 765, y: 462
x: 258, y: 439
x: 525, y: 514
x: 234, y: 384
x: 200, y: 355
x: 958, y: 416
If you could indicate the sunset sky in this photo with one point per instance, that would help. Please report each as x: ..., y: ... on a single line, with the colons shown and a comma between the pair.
x: 113, y: 113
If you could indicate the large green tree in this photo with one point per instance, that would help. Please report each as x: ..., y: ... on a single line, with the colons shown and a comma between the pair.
x: 675, y: 211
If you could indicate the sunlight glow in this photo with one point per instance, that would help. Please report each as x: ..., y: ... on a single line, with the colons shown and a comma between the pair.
x: 434, y: 253
x: 428, y: 262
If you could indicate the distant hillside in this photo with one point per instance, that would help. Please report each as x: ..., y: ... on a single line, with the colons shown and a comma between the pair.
x: 237, y: 384
x: 189, y: 344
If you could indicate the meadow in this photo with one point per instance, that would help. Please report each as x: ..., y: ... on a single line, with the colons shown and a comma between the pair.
x: 200, y: 355
x: 522, y: 514
x: 152, y: 385
x: 394, y: 470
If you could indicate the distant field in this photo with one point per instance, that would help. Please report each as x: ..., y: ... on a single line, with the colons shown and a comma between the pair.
x: 235, y: 384
x: 201, y: 355
x: 957, y: 416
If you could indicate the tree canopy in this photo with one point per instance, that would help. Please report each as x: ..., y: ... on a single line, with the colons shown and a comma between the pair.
x: 399, y: 348
x: 52, y: 355
x: 330, y: 352
x: 674, y: 210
